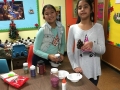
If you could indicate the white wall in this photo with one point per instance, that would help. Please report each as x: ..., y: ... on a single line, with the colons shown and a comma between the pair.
x: 24, y: 34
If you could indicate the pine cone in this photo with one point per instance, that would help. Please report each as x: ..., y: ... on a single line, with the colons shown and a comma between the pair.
x: 79, y: 44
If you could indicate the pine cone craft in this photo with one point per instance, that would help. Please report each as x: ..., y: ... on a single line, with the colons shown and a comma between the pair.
x: 79, y: 44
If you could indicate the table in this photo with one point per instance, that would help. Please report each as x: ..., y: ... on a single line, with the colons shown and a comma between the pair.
x: 3, y: 86
x: 42, y: 82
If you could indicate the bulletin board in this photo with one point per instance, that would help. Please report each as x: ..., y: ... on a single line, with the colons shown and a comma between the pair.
x: 113, y: 33
x: 30, y: 16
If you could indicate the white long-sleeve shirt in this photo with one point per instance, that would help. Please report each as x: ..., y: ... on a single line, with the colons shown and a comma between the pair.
x: 88, y: 61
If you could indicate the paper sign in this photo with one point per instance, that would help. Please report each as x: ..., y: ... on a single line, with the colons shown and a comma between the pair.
x: 117, y: 1
x: 100, y: 11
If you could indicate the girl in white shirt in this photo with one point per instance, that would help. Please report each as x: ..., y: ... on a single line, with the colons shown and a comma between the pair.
x: 86, y: 58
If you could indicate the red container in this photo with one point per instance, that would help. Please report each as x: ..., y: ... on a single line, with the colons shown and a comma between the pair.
x: 40, y: 67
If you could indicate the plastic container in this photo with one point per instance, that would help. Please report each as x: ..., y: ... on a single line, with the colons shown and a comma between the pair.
x: 56, y: 64
x: 32, y: 71
x: 57, y: 55
x: 25, y: 68
x: 64, y: 84
x: 40, y: 67
x: 54, y: 77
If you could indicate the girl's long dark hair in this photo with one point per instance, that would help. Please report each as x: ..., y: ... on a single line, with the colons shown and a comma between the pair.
x: 90, y: 2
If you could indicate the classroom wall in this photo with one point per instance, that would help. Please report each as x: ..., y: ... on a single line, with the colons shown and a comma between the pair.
x: 24, y: 34
x: 32, y: 33
x: 55, y: 3
x: 112, y: 54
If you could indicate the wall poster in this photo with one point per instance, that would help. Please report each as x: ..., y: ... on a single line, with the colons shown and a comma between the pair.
x: 11, y: 10
x: 100, y: 11
x: 25, y: 14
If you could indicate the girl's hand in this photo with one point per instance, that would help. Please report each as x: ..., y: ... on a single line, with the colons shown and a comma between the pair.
x: 61, y: 57
x: 78, y: 70
x: 87, y: 46
x: 53, y: 58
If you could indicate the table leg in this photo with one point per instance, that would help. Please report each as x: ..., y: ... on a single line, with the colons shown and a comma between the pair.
x: 11, y: 64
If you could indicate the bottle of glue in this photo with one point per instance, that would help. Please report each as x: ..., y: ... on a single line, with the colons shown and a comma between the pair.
x: 64, y: 84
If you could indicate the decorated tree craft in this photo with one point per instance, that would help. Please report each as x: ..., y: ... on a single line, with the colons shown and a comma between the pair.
x: 13, y: 32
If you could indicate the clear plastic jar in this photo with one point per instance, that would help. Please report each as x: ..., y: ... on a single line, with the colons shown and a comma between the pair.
x: 25, y: 68
x: 54, y: 77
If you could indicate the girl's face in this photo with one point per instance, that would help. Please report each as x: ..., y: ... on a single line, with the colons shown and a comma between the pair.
x: 50, y: 15
x: 84, y: 10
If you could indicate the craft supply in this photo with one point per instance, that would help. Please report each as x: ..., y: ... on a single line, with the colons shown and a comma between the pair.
x: 54, y: 77
x: 32, y: 71
x: 38, y: 63
x: 25, y: 68
x: 54, y: 63
x: 57, y: 55
x: 64, y: 84
x: 16, y: 81
x: 10, y: 74
x: 40, y: 67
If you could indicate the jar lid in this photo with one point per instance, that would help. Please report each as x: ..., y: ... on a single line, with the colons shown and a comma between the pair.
x: 40, y: 62
x: 32, y: 67
x: 57, y: 55
x: 25, y: 64
x: 54, y: 70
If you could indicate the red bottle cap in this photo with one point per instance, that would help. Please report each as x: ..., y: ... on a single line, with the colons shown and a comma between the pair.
x: 64, y: 81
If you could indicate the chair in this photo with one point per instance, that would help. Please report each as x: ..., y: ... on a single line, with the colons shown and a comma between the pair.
x: 18, y: 52
x: 3, y: 66
x: 30, y: 55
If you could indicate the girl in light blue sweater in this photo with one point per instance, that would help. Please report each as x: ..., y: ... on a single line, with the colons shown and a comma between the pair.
x: 50, y: 38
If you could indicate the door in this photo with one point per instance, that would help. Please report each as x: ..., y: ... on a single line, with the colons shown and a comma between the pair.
x: 70, y: 13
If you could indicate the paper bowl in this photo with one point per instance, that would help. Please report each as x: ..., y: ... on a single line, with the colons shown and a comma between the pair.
x: 62, y: 74
x: 74, y: 77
